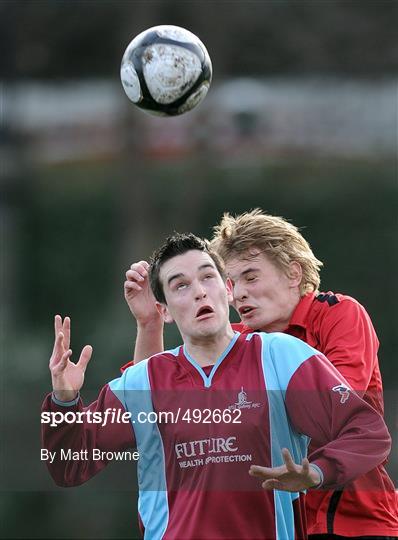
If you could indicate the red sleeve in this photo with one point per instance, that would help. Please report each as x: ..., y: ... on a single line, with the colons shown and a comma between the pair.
x: 347, y: 338
x: 350, y: 436
x: 83, y: 438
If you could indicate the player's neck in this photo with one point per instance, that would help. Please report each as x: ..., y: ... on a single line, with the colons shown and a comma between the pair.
x: 277, y: 326
x: 207, y: 349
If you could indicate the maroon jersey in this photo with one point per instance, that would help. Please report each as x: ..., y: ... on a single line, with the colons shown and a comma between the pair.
x: 199, y: 429
x: 339, y: 327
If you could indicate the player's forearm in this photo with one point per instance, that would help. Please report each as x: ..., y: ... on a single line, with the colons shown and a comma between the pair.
x: 149, y: 340
x: 351, y: 456
x: 75, y: 438
x: 350, y: 438
x: 60, y: 440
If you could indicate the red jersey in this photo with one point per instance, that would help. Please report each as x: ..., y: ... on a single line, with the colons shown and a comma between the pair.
x: 340, y: 328
x: 264, y: 393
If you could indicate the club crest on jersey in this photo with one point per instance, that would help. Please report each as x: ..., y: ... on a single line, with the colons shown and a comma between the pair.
x: 344, y: 392
x: 243, y: 402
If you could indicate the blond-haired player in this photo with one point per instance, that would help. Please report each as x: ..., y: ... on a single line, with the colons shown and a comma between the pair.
x: 275, y: 279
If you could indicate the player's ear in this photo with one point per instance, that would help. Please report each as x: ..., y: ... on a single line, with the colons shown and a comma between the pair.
x: 295, y: 274
x: 164, y: 312
x: 229, y: 287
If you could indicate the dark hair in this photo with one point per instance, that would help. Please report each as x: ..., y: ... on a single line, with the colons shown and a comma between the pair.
x: 178, y: 244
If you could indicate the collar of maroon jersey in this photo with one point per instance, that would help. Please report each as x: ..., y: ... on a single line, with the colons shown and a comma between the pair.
x: 203, y: 376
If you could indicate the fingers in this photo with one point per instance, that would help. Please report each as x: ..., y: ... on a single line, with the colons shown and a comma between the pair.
x: 57, y: 324
x: 85, y: 357
x: 138, y: 272
x: 132, y: 286
x: 272, y: 472
x: 270, y: 475
x: 66, y: 332
x: 273, y: 484
x: 287, y: 458
x: 57, y: 329
x: 291, y: 466
x: 140, y: 265
x: 64, y: 327
x: 58, y: 349
x: 136, y: 277
x: 288, y: 477
x: 132, y: 275
x: 60, y: 366
x: 260, y: 472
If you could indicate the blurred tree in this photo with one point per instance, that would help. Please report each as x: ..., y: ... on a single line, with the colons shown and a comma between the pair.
x: 86, y: 38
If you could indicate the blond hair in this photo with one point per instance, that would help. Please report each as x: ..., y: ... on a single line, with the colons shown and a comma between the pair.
x: 278, y: 239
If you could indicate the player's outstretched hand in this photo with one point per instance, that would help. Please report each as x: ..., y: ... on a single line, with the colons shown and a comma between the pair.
x: 287, y: 477
x: 139, y: 296
x: 67, y: 377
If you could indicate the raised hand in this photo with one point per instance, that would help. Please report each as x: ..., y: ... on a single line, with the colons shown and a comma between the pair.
x: 139, y: 296
x: 67, y: 377
x: 288, y: 477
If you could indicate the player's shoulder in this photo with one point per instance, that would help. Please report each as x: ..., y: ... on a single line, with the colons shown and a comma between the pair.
x: 273, y: 337
x: 157, y: 362
x: 330, y: 303
x: 169, y: 355
x: 282, y: 356
x: 172, y: 353
x: 329, y: 299
x: 282, y: 344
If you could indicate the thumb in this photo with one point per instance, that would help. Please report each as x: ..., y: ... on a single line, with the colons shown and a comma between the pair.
x: 85, y: 356
x: 306, y: 466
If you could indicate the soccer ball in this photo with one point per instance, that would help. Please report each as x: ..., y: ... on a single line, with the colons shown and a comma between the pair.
x: 166, y: 70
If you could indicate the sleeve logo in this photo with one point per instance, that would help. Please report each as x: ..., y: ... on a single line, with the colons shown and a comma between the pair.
x: 344, y: 392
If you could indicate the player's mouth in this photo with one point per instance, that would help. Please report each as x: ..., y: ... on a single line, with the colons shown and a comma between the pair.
x: 204, y: 312
x: 246, y: 311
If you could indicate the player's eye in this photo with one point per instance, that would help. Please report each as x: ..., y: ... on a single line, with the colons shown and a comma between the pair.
x: 251, y: 277
x: 181, y: 286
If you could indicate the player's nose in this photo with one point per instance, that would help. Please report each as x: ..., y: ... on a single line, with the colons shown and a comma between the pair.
x: 239, y: 293
x: 200, y: 291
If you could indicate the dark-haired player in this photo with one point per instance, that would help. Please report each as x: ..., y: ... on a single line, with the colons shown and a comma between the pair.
x: 260, y: 397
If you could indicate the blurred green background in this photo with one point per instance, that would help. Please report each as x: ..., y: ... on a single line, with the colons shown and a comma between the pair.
x: 301, y: 120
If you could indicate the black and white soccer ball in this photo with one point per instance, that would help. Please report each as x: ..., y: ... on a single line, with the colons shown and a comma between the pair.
x: 166, y: 70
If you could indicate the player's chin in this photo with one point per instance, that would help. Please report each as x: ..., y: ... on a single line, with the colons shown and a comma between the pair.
x: 208, y: 331
x: 208, y: 328
x: 251, y: 322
